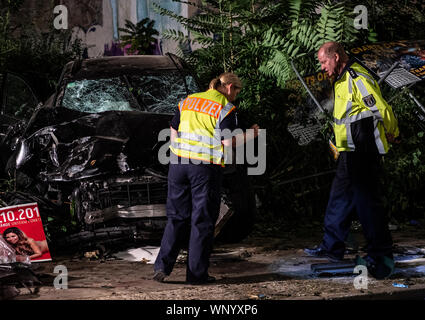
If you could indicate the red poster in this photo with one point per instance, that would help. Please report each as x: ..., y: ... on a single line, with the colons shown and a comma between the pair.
x: 21, y: 227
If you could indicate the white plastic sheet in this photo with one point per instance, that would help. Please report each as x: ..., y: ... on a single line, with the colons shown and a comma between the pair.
x: 7, y: 253
x: 144, y: 254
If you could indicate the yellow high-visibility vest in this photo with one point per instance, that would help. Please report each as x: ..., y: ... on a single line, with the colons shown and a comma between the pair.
x: 199, y: 134
x: 358, y: 96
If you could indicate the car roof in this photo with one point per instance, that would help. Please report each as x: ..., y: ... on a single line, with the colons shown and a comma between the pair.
x: 119, y: 65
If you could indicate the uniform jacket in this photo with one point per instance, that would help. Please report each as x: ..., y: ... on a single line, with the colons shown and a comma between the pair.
x: 199, y: 134
x: 361, y: 115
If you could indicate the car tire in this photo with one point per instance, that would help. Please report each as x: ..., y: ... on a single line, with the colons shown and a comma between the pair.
x: 241, y: 200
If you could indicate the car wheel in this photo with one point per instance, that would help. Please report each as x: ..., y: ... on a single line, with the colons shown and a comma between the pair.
x: 241, y: 200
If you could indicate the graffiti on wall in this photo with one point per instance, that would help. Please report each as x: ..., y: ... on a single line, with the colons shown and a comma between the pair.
x: 97, y: 23
x: 84, y: 14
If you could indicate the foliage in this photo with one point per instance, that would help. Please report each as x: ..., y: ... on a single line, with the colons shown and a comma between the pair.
x: 7, y: 44
x: 139, y: 36
x: 405, y: 163
x: 397, y: 20
x: 244, y: 37
x: 7, y: 185
x: 37, y: 55
x: 307, y: 32
x: 257, y: 40
x: 35, y: 48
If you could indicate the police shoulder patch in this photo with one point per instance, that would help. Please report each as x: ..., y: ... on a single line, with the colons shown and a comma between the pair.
x: 369, y: 100
x: 352, y: 73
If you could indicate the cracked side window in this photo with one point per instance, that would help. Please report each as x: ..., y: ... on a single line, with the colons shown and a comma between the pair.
x: 162, y: 93
x: 93, y: 96
x: 20, y: 101
x: 191, y: 84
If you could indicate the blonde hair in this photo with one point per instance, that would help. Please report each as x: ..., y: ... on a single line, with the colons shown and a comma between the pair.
x: 224, y: 79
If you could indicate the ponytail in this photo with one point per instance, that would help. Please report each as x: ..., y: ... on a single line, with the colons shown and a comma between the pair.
x: 215, y: 83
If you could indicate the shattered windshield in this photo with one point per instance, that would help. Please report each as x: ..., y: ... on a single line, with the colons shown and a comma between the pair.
x: 161, y: 93
x: 98, y: 95
x: 158, y: 93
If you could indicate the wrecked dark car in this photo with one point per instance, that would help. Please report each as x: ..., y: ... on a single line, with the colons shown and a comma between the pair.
x: 92, y: 151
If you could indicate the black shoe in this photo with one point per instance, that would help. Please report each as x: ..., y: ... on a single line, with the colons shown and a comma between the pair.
x: 380, y: 268
x: 210, y: 279
x: 319, y: 252
x: 159, y: 276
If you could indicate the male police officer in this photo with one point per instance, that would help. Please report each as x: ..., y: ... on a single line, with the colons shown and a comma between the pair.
x: 363, y: 123
x: 194, y: 179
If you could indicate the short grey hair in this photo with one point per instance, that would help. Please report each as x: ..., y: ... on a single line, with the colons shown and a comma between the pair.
x: 332, y: 47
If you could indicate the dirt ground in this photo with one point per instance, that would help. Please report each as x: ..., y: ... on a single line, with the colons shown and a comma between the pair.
x: 258, y: 268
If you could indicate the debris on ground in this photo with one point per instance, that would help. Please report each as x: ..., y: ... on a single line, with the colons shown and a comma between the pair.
x: 415, y: 223
x: 182, y: 257
x: 15, y: 275
x: 146, y: 254
x: 7, y: 253
x: 92, y: 255
x: 400, y: 285
x: 393, y: 227
x: 344, y: 268
x: 409, y: 250
x: 259, y: 296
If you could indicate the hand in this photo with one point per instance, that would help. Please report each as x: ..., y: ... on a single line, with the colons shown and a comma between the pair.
x: 392, y: 139
x: 248, y: 135
x: 256, y: 128
x: 21, y: 258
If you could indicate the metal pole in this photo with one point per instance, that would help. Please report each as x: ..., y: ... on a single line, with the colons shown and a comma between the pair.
x: 388, y: 72
x: 401, y: 91
x: 306, y: 87
x: 417, y: 102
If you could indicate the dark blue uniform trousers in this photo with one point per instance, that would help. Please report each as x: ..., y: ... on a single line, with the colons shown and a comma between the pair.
x: 193, y: 207
x: 356, y: 189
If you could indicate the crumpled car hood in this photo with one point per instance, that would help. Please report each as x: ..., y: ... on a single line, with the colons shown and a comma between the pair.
x: 92, y: 145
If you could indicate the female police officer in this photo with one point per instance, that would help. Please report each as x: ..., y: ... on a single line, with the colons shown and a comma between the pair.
x: 194, y: 178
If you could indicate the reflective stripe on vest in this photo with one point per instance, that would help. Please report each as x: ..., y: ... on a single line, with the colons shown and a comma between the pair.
x: 225, y: 111
x: 365, y: 93
x: 200, y: 138
x: 376, y: 115
x: 198, y: 149
x: 350, y: 142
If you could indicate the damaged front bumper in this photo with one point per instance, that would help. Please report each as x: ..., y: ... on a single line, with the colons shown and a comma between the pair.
x: 100, y: 201
x: 120, y: 211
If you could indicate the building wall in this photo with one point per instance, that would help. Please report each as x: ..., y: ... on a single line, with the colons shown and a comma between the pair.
x: 97, y: 22
x: 96, y: 36
x: 114, y: 14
